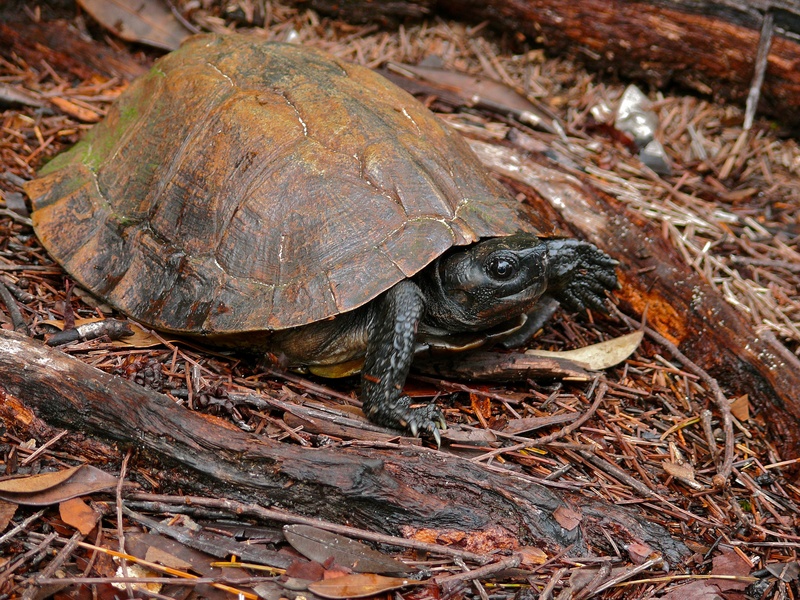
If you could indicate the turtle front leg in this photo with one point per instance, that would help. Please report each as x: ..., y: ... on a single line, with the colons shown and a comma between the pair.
x: 390, y: 350
x: 579, y: 274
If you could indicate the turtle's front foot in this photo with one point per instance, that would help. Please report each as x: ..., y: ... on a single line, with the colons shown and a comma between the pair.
x: 401, y: 413
x: 580, y: 274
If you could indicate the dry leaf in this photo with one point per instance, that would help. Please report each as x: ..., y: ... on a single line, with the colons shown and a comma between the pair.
x: 531, y: 556
x: 740, y: 407
x: 140, y: 338
x: 598, y: 356
x: 358, y: 586
x: 76, y: 513
x: 683, y: 472
x: 144, y: 21
x: 55, y: 487
x: 456, y: 435
x: 320, y: 545
x: 730, y: 562
x: 568, y: 518
x: 639, y: 552
x: 7, y: 510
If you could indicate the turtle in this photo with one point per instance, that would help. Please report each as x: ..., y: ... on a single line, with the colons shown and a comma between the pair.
x: 273, y: 198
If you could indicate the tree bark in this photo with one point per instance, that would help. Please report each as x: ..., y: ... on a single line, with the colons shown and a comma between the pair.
x: 708, y: 46
x: 384, y: 490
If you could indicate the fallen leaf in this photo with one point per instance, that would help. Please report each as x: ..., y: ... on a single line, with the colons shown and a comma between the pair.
x: 696, y: 590
x: 76, y: 513
x: 55, y: 487
x: 7, y: 510
x: 320, y: 545
x: 598, y: 356
x: 358, y: 586
x: 140, y: 338
x: 144, y: 21
x: 568, y: 518
x: 639, y: 552
x: 531, y: 555
x: 456, y: 435
x: 730, y: 562
x: 486, y: 93
x: 162, y: 557
x: 740, y: 407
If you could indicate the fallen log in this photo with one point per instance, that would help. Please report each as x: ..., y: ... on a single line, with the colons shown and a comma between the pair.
x: 389, y: 490
x: 709, y: 47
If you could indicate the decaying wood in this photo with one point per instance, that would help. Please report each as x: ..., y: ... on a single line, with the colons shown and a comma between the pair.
x: 709, y: 47
x: 66, y: 51
x: 409, y: 488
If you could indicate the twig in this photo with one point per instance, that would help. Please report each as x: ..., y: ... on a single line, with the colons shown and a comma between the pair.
x: 13, y: 310
x: 483, y: 572
x: 764, y: 44
x: 43, y: 448
x: 566, y: 430
x: 64, y: 554
x: 720, y: 480
x: 239, y: 508
x: 120, y: 529
x: 16, y: 529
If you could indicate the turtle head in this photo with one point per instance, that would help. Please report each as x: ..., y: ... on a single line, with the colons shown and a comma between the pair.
x: 488, y: 283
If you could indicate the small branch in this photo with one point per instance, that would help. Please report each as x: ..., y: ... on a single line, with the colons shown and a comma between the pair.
x: 13, y: 310
x: 764, y: 45
x: 720, y: 480
x: 566, y: 430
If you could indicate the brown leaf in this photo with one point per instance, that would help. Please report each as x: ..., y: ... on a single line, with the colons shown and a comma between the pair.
x: 531, y: 555
x: 7, y: 510
x: 740, y: 407
x: 55, y: 487
x: 144, y: 21
x: 682, y: 471
x: 599, y: 356
x: 140, y: 338
x: 456, y: 435
x: 320, y: 545
x: 78, y: 514
x: 639, y: 552
x: 481, y: 405
x: 358, y: 586
x: 568, y: 518
x: 696, y: 590
x: 162, y: 557
x: 730, y: 562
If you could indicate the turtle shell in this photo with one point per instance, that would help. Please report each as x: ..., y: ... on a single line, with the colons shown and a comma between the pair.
x: 243, y: 185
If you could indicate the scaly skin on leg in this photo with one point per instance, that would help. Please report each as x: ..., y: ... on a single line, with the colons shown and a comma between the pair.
x: 390, y: 350
x: 578, y: 274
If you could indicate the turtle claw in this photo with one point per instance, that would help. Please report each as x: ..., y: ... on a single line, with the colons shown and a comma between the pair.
x: 438, y: 437
x: 426, y: 420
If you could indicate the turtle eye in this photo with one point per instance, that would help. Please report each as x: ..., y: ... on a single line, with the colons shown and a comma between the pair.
x: 501, y: 268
